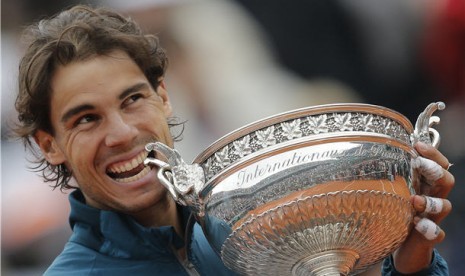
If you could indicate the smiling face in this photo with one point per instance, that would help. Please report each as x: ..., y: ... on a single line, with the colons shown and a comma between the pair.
x: 103, y: 112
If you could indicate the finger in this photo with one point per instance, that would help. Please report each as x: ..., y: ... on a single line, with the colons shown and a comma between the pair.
x: 442, y: 187
x: 440, y: 181
x: 430, y: 152
x: 429, y: 169
x: 433, y: 205
x: 435, y: 208
x: 428, y: 229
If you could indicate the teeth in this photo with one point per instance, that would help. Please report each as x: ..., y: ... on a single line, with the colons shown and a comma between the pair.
x: 135, y: 163
x: 128, y: 165
x: 138, y: 176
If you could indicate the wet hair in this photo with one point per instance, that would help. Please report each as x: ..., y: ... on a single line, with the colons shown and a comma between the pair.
x: 75, y: 34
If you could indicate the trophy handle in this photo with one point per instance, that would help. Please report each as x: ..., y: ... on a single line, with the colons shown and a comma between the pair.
x: 423, y: 131
x: 183, y: 181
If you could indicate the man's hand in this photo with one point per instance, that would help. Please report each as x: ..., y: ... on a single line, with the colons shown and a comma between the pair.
x: 431, y: 206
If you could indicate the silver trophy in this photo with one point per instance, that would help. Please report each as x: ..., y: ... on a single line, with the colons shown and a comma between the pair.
x: 322, y: 190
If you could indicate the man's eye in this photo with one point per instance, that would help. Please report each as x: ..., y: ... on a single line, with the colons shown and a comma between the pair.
x: 131, y: 99
x: 86, y: 119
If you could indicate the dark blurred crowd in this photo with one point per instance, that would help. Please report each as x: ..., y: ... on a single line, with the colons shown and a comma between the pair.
x: 394, y: 53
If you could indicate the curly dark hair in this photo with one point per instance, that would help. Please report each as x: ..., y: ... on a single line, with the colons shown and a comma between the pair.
x: 76, y: 34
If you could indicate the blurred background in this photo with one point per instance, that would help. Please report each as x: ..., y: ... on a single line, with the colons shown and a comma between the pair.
x: 236, y: 61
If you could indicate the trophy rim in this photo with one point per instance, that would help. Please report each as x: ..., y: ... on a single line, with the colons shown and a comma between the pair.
x: 298, y: 113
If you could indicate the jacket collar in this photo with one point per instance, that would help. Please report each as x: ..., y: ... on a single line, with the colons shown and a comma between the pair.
x: 118, y: 234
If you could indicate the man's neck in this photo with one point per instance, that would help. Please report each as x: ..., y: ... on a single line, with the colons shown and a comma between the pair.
x: 165, y: 213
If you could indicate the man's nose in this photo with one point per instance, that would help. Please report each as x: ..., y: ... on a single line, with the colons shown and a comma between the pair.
x: 119, y: 131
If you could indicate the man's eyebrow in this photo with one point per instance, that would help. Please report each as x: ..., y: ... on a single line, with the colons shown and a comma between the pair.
x: 76, y: 110
x: 132, y: 89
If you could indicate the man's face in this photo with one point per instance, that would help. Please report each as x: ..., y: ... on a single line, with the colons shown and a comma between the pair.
x: 104, y: 111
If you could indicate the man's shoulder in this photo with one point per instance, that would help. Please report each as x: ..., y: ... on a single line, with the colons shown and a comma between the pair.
x: 75, y: 259
x: 78, y: 259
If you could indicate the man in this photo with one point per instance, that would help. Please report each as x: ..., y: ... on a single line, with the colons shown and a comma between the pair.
x: 91, y: 96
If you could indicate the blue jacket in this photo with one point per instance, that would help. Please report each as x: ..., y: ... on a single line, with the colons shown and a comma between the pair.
x: 438, y: 267
x: 109, y: 243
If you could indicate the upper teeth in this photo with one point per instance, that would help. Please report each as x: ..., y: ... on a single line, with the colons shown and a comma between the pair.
x: 128, y: 165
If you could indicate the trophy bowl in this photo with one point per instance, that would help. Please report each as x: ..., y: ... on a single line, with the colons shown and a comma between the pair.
x: 321, y: 190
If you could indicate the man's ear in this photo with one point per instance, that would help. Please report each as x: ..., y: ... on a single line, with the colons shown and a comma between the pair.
x: 161, y: 91
x: 49, y: 147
